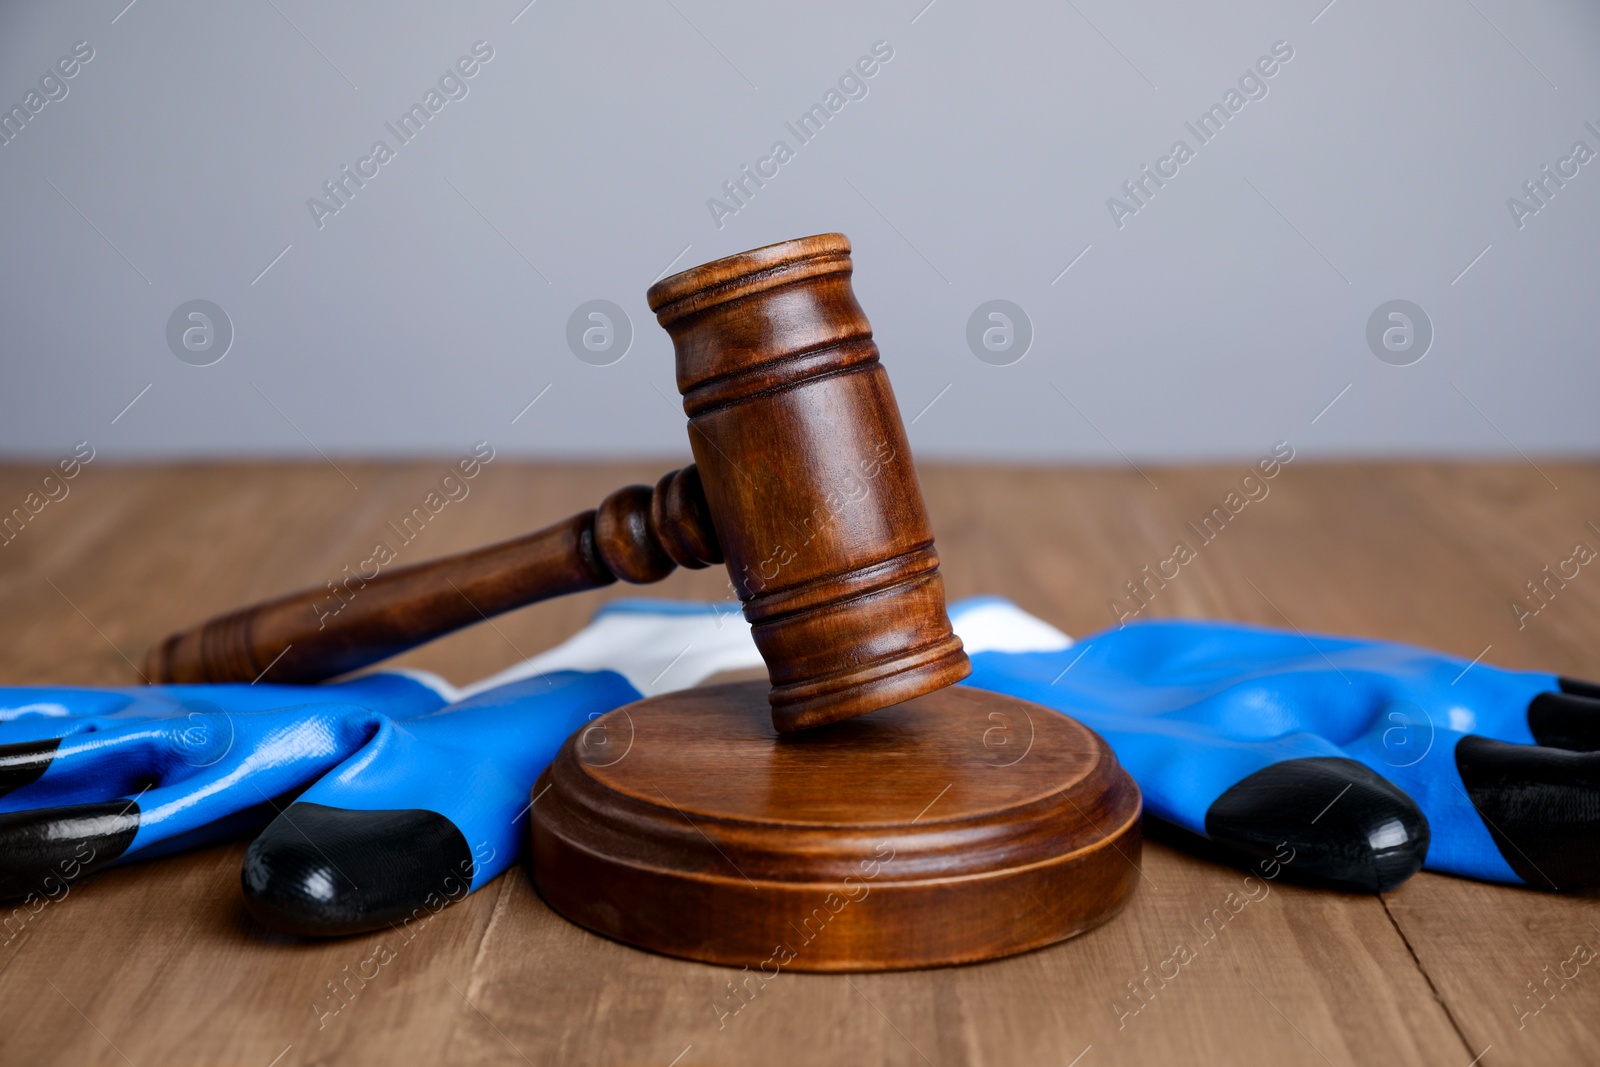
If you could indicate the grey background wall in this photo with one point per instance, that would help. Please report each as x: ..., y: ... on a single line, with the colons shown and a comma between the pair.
x: 1224, y: 310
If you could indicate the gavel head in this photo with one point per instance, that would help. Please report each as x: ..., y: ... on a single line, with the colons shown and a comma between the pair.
x: 809, y: 480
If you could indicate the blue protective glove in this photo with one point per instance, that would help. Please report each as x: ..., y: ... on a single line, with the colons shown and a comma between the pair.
x: 1357, y: 753
x: 381, y: 796
x: 1369, y: 759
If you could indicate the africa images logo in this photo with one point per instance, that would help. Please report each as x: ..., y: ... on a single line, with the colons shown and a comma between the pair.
x: 1539, y: 190
x: 1252, y: 85
x: 52, y: 89
x: 342, y: 188
x: 852, y: 85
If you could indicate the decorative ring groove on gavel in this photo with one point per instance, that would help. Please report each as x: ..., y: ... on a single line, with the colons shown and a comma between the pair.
x: 842, y: 358
x: 802, y: 482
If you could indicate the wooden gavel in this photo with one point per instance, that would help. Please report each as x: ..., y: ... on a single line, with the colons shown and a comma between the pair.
x: 803, y: 483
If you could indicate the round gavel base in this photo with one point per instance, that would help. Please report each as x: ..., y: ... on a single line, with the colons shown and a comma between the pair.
x: 962, y: 825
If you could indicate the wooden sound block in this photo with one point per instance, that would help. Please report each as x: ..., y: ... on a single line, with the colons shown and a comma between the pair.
x: 958, y: 826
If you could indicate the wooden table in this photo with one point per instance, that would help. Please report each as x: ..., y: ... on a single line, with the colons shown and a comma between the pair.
x: 158, y: 963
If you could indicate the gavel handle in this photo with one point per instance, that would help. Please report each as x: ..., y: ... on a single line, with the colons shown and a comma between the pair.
x: 637, y: 534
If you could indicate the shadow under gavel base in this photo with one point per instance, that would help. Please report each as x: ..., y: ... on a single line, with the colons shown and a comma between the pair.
x: 959, y: 826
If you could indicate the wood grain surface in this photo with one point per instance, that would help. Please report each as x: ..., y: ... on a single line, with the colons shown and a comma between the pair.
x: 898, y: 839
x: 158, y: 963
x: 638, y: 534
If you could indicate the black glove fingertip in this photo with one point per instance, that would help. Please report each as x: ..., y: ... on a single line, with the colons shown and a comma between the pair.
x: 1344, y: 823
x: 319, y: 871
x: 1578, y: 687
x: 1541, y: 806
x: 50, y: 847
x: 1568, y: 719
x: 25, y: 762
